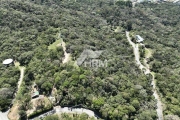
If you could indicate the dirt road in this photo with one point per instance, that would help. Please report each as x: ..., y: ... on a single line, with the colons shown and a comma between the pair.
x: 21, y: 77
x: 147, y: 71
x: 13, y: 110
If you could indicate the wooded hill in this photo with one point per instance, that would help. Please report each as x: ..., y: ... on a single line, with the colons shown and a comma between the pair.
x: 119, y: 91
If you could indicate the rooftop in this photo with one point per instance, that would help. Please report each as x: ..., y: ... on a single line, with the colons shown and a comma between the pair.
x: 139, y: 38
x: 36, y: 93
x: 7, y: 61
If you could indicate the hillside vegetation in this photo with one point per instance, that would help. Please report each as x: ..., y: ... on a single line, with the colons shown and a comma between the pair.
x: 119, y: 91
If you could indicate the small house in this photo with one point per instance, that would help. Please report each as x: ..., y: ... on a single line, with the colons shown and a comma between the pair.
x: 35, y: 94
x: 139, y: 39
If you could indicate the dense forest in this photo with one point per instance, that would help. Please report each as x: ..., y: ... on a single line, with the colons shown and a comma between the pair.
x: 118, y: 91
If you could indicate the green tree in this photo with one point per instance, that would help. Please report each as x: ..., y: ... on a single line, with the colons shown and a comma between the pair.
x: 52, y: 117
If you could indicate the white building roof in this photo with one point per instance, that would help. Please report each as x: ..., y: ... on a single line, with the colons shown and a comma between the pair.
x: 7, y: 61
x: 139, y: 38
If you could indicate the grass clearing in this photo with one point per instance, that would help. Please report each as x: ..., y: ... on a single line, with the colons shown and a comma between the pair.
x: 148, y: 52
x: 17, y: 64
x: 42, y: 101
x: 118, y: 29
x: 55, y: 44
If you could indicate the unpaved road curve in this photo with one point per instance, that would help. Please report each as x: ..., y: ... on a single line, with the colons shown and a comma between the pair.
x: 136, y: 53
x: 147, y: 71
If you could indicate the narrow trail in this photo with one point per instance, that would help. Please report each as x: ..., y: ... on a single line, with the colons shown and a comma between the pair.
x: 4, y: 116
x: 67, y: 55
x: 159, y: 109
x: 21, y: 77
x: 12, y: 111
x: 137, y: 56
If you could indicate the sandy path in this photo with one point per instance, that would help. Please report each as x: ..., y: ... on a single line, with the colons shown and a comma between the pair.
x: 13, y: 109
x: 159, y: 103
x: 21, y: 77
x: 136, y: 53
x: 147, y: 71
x: 67, y: 55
